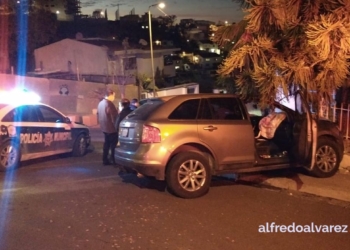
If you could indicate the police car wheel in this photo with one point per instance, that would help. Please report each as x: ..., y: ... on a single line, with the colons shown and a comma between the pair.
x: 9, y: 156
x: 80, y: 146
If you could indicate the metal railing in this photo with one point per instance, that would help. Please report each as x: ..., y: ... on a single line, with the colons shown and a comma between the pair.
x: 341, y: 116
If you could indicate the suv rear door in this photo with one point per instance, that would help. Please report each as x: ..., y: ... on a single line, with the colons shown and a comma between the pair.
x: 225, y: 128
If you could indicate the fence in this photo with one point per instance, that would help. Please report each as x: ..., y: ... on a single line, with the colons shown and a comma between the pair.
x: 341, y: 116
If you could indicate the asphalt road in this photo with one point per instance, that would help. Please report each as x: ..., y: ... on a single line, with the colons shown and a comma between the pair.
x: 76, y: 203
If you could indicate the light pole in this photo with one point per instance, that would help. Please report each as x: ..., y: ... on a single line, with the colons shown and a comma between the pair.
x: 160, y: 5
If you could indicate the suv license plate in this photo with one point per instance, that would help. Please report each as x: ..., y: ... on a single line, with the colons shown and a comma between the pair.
x: 124, y: 132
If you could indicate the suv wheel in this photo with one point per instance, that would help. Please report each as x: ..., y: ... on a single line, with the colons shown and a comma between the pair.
x: 188, y: 175
x: 327, y: 158
x: 9, y: 156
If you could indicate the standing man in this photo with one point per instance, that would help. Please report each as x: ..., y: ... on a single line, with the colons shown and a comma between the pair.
x: 107, y: 114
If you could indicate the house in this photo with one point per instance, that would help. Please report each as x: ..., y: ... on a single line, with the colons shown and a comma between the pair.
x: 207, y: 60
x: 207, y: 45
x: 178, y: 62
x: 114, y: 61
x: 204, y: 25
x: 194, y: 34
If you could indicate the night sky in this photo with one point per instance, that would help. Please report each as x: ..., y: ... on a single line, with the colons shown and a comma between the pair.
x: 212, y: 10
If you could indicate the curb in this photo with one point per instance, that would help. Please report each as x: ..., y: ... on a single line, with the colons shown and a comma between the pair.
x: 303, y: 184
x: 345, y: 163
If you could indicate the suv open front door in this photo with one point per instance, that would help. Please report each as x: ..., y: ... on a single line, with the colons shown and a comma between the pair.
x: 305, y: 133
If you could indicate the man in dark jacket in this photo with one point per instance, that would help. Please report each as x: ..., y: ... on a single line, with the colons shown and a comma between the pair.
x: 125, y: 110
x: 134, y: 104
x: 107, y: 113
x: 125, y: 104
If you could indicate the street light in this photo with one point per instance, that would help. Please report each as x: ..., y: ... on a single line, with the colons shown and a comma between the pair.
x: 160, y: 5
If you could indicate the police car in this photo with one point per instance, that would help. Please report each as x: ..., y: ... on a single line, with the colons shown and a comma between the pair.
x: 30, y: 130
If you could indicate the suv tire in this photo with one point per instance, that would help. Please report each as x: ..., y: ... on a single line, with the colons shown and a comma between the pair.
x: 188, y: 175
x: 327, y: 159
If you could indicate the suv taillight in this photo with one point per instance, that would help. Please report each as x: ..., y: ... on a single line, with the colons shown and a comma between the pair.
x: 150, y: 134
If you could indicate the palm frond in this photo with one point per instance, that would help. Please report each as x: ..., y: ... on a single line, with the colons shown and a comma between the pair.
x: 266, y: 16
x: 227, y: 34
x: 252, y: 54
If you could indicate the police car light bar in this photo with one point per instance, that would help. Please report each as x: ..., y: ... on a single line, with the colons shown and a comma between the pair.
x: 18, y: 96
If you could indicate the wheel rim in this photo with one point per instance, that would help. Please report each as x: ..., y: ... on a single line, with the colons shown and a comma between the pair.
x: 8, y: 156
x: 191, y: 175
x: 82, y: 145
x: 326, y: 158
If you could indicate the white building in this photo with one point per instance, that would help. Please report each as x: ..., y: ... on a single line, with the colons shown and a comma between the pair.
x: 103, y: 57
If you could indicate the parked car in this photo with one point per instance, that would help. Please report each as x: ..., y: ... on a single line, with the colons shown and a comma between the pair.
x: 187, y: 139
x: 29, y: 131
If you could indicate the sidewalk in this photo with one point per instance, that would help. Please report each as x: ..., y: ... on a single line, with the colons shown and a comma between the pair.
x: 336, y: 187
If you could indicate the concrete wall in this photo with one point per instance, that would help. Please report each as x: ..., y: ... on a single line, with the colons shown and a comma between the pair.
x: 73, y: 98
x: 182, y: 89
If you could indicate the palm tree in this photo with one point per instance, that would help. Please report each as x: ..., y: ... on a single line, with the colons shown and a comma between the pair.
x: 145, y: 83
x: 284, y: 44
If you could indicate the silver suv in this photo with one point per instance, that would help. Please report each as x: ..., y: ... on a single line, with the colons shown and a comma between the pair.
x: 186, y: 139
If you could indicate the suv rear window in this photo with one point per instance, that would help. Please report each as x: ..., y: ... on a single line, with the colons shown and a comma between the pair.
x: 221, y: 109
x: 147, y: 107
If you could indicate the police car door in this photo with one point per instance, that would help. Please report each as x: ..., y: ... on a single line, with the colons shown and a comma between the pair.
x: 57, y: 136
x: 22, y: 124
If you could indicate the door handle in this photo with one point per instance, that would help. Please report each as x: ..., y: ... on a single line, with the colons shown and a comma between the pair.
x: 210, y: 128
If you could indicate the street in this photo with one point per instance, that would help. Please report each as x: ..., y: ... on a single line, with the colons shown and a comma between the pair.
x: 77, y: 203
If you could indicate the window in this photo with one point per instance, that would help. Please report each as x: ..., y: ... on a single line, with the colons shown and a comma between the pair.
x: 186, y: 111
x: 47, y: 114
x: 205, y: 111
x: 190, y: 90
x: 221, y: 109
x: 130, y: 63
x: 168, y: 60
x: 25, y: 113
